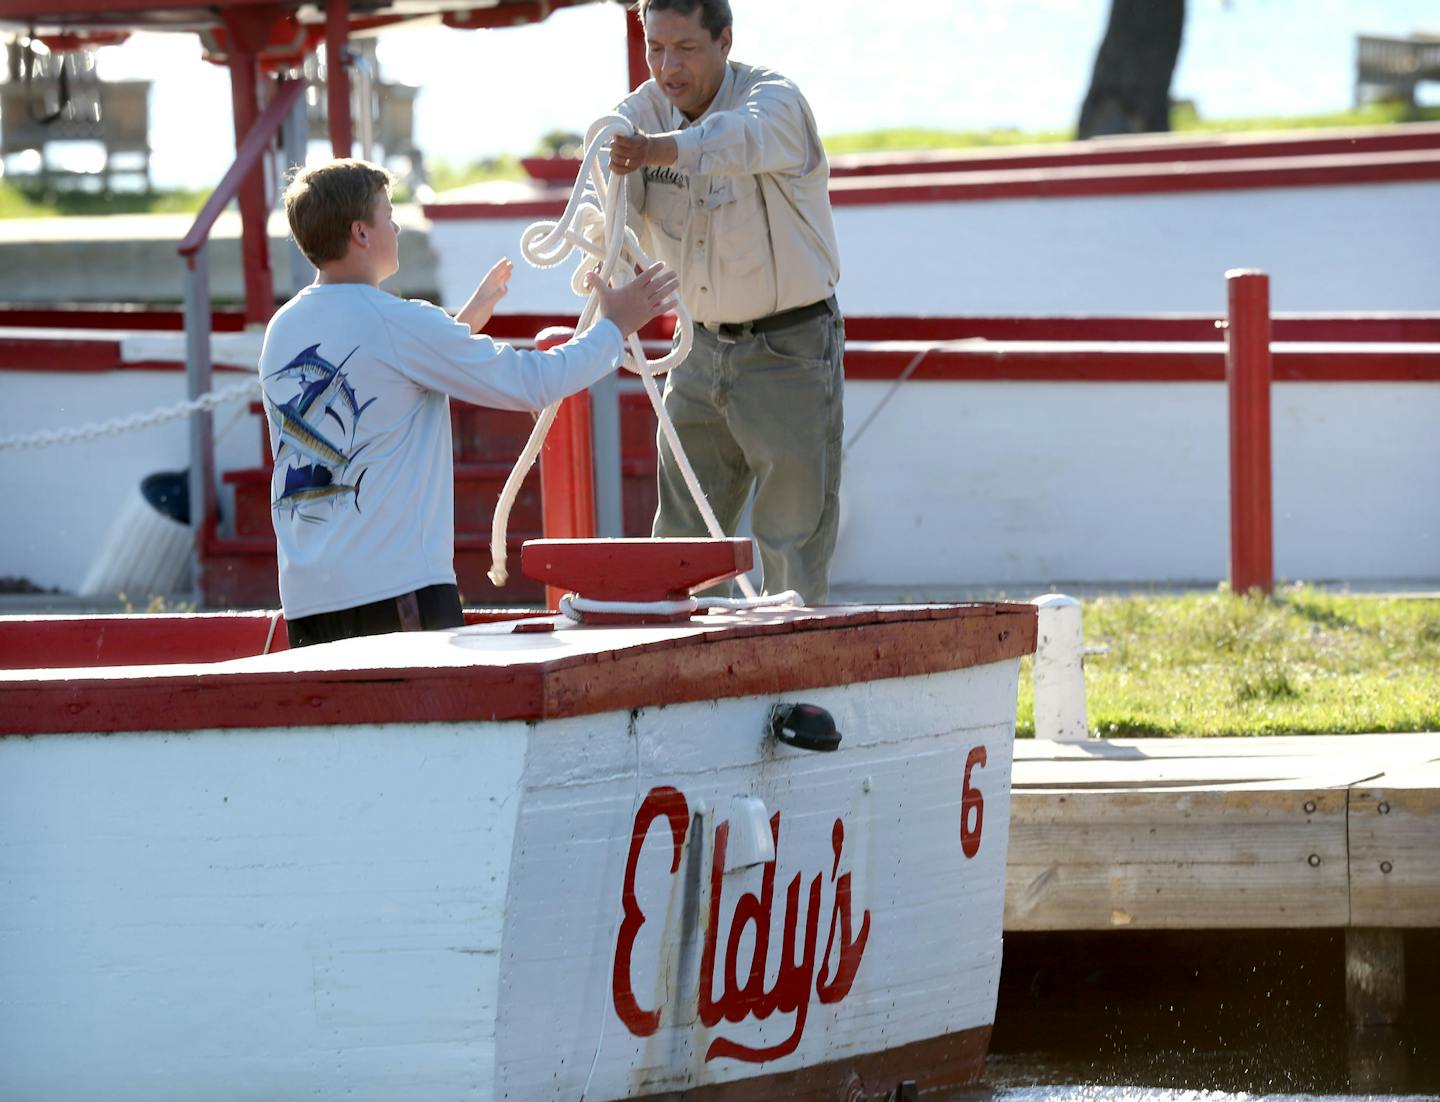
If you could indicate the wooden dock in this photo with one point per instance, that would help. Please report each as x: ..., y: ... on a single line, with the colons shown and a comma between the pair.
x: 1335, y: 831
x: 1225, y: 833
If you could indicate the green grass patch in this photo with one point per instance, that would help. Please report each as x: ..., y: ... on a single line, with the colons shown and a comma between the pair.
x: 26, y: 200
x: 1305, y: 661
x: 447, y: 177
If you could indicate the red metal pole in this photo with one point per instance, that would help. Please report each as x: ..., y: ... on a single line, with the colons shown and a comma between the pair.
x: 337, y: 78
x: 249, y: 29
x: 1247, y: 375
x: 567, y: 468
x: 635, y: 50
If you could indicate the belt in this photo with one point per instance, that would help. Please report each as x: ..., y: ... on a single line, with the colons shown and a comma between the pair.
x: 734, y: 330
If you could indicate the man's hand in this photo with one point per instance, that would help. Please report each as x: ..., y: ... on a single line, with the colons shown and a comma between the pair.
x: 631, y: 151
x: 492, y: 289
x: 649, y: 295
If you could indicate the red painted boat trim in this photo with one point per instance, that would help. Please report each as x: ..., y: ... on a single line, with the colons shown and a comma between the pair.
x: 1149, y: 150
x: 955, y: 1060
x: 1380, y: 328
x: 1059, y: 182
x: 1146, y: 179
x: 775, y: 656
x: 1376, y: 348
x: 115, y: 316
x: 25, y: 352
x: 147, y: 639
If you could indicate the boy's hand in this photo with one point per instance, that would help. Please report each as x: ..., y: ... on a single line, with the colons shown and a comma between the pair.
x: 492, y: 289
x: 649, y: 295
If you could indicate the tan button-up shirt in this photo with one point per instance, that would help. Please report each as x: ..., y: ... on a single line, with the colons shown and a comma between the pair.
x: 744, y: 213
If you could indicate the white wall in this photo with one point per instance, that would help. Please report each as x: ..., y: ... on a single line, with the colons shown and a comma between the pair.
x: 1325, y: 248
x: 1368, y: 247
x: 60, y: 501
x: 953, y: 485
x: 966, y: 484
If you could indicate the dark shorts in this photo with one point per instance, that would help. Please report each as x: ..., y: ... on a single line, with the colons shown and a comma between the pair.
x: 428, y: 609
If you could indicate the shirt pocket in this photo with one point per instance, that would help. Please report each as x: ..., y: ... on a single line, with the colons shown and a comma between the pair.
x: 740, y: 226
x: 666, y: 207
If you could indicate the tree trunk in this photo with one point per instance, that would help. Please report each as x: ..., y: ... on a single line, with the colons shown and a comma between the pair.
x: 1130, y: 87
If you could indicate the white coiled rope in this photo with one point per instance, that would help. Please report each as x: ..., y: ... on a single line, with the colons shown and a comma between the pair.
x: 600, y: 233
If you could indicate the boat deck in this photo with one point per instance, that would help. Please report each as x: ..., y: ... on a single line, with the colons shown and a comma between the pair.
x: 1225, y: 833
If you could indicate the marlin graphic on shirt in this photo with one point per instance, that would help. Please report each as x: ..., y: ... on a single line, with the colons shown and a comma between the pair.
x: 322, y: 387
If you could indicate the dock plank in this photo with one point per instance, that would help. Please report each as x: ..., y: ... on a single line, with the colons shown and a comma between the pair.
x: 1395, y: 849
x: 1225, y: 833
x: 1165, y: 860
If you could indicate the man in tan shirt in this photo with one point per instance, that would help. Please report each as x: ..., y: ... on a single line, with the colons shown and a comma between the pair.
x: 729, y: 185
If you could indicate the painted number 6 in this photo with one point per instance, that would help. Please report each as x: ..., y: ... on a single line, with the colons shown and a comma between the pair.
x: 972, y: 801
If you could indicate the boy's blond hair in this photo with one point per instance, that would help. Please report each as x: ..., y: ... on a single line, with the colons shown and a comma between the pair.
x: 322, y: 203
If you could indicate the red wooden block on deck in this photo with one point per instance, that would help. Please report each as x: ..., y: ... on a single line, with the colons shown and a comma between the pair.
x: 635, y: 569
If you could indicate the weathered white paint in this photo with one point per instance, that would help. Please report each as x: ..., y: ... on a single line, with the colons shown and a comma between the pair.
x: 1029, y: 484
x: 1059, y: 673
x: 264, y: 914
x: 931, y: 962
x: 1353, y: 247
x: 428, y: 912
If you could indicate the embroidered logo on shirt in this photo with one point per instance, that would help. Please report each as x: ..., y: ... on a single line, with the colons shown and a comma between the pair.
x: 299, y: 424
x: 666, y: 176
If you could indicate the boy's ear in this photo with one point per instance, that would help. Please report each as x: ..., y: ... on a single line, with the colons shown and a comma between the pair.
x: 359, y: 233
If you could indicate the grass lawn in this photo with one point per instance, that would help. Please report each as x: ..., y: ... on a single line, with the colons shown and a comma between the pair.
x: 1305, y: 661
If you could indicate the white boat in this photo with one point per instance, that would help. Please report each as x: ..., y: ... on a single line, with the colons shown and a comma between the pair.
x: 523, y: 859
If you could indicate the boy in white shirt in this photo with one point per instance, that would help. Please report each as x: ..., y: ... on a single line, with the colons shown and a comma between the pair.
x: 356, y: 389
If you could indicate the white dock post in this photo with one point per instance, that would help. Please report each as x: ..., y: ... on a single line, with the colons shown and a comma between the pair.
x: 1059, y: 676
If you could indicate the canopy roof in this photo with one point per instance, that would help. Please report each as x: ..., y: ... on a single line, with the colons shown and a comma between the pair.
x: 78, y: 16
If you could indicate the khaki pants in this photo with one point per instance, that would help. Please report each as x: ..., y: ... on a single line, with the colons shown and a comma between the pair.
x: 764, y: 411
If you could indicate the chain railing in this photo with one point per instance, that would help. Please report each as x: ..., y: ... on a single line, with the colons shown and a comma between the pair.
x: 205, y: 403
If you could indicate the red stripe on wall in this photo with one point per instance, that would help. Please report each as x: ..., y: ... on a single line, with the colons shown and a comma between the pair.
x: 1058, y: 182
x: 1134, y: 363
x: 1149, y: 149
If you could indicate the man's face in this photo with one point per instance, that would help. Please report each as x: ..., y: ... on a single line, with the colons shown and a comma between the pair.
x: 684, y: 60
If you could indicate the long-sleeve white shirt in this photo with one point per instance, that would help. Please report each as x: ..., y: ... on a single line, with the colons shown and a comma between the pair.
x: 355, y: 385
x: 744, y: 213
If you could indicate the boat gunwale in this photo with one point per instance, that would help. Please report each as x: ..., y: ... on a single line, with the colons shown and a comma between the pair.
x: 778, y: 655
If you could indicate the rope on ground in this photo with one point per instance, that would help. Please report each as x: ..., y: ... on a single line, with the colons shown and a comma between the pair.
x: 600, y: 234
x: 116, y: 425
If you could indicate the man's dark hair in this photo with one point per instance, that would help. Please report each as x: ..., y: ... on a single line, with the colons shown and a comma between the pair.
x: 714, y: 14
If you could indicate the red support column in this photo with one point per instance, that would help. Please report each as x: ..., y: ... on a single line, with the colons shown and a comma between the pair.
x: 337, y: 79
x: 567, y: 468
x: 249, y: 30
x: 635, y: 50
x: 1247, y: 375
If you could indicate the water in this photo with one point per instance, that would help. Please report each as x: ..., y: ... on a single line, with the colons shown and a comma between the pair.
x: 1257, y: 1016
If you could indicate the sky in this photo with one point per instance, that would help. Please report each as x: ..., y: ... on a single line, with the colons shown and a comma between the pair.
x: 943, y: 64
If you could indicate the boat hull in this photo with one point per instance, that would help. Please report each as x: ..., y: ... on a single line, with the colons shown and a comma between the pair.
x: 626, y: 903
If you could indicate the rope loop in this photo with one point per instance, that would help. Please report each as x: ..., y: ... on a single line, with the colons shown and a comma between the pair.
x: 594, y: 223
